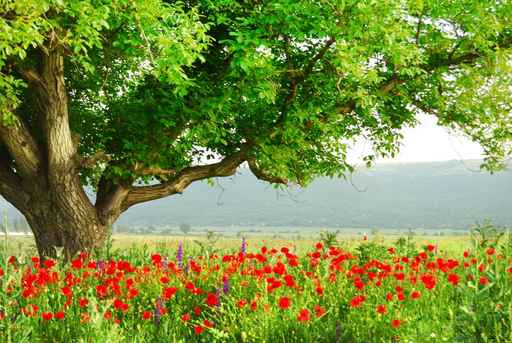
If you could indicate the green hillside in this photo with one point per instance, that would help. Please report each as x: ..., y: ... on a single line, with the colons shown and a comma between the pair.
x: 432, y: 195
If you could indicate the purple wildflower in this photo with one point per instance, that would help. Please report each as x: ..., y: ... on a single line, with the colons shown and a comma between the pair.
x: 243, y: 248
x: 179, y: 255
x: 100, y: 265
x: 225, y: 286
x: 158, y: 311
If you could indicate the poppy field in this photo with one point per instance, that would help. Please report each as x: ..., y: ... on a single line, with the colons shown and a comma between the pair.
x: 324, y: 292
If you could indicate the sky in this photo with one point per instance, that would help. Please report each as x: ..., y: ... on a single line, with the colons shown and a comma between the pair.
x: 426, y: 142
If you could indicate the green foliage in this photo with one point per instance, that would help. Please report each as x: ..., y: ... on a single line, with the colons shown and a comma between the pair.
x: 329, y: 238
x: 162, y: 85
x: 369, y: 251
x: 405, y: 246
x: 207, y: 247
x: 486, y: 235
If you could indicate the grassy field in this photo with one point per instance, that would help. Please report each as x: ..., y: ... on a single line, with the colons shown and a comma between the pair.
x: 24, y: 244
x: 211, y: 288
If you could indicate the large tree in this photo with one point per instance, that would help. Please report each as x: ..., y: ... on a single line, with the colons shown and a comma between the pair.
x: 133, y: 97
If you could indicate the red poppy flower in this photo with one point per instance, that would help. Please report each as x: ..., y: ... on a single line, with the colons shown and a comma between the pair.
x: 429, y: 281
x: 483, y: 281
x: 242, y: 303
x: 319, y: 311
x: 208, y: 323
x: 289, y: 280
x: 198, y: 329
x: 12, y: 260
x: 146, y: 315
x: 83, y: 302
x: 303, y: 315
x: 169, y: 292
x: 490, y: 251
x: 107, y: 315
x: 66, y: 291
x: 49, y: 263
x: 284, y: 302
x: 431, y: 247
x: 118, y: 304
x: 453, y: 279
x: 396, y: 323
x: 197, y: 311
x: 211, y: 299
x: 77, y: 263
x: 382, y: 309
x: 47, y: 316
x: 358, y: 283
x: 101, y: 291
x: 357, y: 300
x: 59, y: 315
x: 185, y: 317
x: 415, y: 294
x: 132, y: 293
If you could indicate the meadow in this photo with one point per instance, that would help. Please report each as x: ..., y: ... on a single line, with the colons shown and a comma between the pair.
x: 210, y: 288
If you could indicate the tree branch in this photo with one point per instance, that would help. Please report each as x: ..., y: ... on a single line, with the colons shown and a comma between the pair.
x: 11, y: 186
x: 21, y: 146
x: 59, y: 140
x: 300, y: 78
x: 260, y: 174
x: 153, y: 171
x: 91, y: 161
x: 184, y: 178
x: 418, y: 30
x: 109, y: 200
x: 319, y: 55
x: 385, y: 88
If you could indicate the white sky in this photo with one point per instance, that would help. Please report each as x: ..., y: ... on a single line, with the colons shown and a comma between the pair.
x: 427, y: 142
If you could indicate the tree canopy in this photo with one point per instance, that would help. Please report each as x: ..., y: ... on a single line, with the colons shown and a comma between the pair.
x: 152, y: 90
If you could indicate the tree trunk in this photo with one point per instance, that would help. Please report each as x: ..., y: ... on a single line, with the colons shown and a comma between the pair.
x: 67, y: 227
x: 64, y: 217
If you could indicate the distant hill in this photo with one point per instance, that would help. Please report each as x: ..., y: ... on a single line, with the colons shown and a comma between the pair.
x: 433, y: 195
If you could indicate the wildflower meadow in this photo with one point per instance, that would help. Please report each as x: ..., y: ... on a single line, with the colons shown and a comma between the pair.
x: 321, y: 292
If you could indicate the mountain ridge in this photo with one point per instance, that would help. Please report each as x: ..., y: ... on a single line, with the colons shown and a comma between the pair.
x: 431, y: 195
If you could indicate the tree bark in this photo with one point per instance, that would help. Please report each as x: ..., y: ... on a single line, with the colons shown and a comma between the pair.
x: 46, y: 172
x: 64, y: 217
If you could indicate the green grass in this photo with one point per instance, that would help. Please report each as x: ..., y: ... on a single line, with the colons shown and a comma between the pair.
x: 478, y: 308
